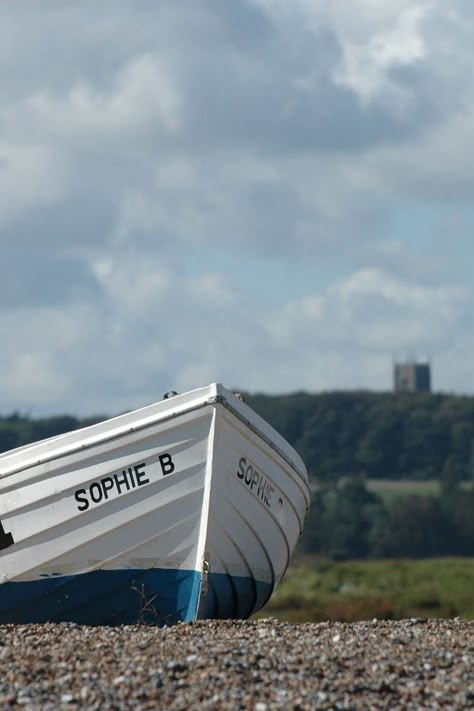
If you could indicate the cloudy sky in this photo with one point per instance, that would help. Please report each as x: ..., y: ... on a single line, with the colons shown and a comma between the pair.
x: 275, y: 195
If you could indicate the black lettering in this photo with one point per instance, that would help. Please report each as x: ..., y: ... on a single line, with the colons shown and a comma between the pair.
x: 141, y: 475
x: 81, y: 498
x: 6, y: 539
x: 130, y: 474
x: 242, y: 463
x: 255, y: 479
x: 167, y: 464
x: 268, y: 496
x: 120, y: 482
x: 96, y: 498
x: 248, y: 475
x: 107, y: 485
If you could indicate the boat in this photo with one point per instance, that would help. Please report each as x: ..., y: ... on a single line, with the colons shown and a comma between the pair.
x: 186, y: 509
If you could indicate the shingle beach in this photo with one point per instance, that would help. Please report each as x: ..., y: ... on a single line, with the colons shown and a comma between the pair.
x: 257, y: 665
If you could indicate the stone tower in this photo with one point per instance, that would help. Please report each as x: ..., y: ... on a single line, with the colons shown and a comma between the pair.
x: 412, y: 377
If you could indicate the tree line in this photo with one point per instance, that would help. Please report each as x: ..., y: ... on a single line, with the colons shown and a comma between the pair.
x: 346, y: 439
x: 338, y: 434
x: 414, y: 436
x: 17, y: 430
x: 349, y: 521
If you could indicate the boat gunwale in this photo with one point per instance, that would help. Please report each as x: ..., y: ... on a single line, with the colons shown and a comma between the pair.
x: 221, y: 399
x: 94, y: 441
x: 218, y: 398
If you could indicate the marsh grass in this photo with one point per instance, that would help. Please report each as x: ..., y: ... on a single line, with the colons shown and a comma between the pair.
x: 388, y: 490
x: 315, y: 590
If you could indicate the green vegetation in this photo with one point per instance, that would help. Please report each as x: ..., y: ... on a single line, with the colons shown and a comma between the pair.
x: 389, y: 489
x: 315, y: 590
x: 349, y: 521
x: 392, y: 474
x: 414, y: 436
x: 17, y: 430
x: 406, y: 436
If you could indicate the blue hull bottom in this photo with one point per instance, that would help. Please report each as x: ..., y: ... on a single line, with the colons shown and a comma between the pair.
x: 114, y: 597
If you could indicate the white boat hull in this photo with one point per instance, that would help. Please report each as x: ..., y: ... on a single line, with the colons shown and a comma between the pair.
x: 188, y: 508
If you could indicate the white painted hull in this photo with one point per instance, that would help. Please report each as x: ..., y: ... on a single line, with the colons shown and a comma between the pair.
x: 188, y: 508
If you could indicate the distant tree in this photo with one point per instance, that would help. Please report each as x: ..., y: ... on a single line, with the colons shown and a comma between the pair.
x: 461, y: 511
x: 52, y: 426
x: 380, y: 435
x: 313, y: 537
x: 451, y: 475
x: 16, y: 431
x: 416, y: 527
x: 9, y: 436
x: 383, y: 435
x: 340, y: 521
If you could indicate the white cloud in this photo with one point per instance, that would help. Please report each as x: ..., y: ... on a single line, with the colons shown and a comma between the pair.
x: 142, y: 96
x: 435, y: 166
x: 366, y: 66
x: 29, y: 175
x: 167, y: 171
x: 156, y: 329
x: 371, y: 311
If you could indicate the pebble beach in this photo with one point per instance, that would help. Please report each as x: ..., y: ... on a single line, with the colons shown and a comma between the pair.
x: 259, y: 665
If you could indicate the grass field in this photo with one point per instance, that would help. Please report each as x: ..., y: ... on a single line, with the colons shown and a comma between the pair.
x: 389, y: 489
x: 314, y: 590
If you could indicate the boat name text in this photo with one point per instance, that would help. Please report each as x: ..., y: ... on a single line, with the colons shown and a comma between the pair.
x: 257, y: 482
x: 120, y: 483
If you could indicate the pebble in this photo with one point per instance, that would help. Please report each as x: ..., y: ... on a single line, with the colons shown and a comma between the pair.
x: 231, y: 664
